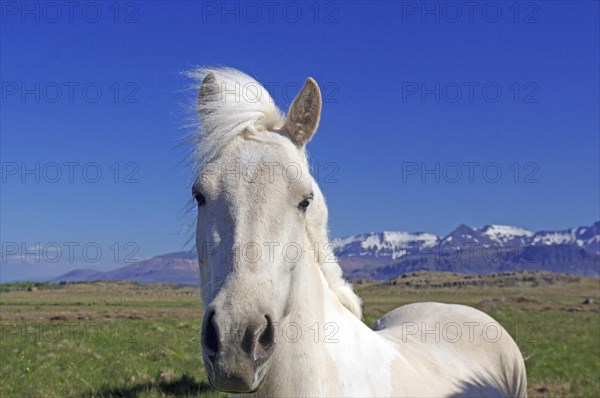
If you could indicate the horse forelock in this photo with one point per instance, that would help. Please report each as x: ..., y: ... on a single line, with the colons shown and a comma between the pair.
x: 236, y: 103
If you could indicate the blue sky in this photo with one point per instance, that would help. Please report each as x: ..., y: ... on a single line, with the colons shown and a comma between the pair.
x: 464, y: 93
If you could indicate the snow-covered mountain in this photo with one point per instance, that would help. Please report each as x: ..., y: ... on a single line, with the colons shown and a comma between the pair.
x: 389, y: 244
x: 505, y: 234
x: 586, y: 237
x: 395, y: 244
x: 492, y: 248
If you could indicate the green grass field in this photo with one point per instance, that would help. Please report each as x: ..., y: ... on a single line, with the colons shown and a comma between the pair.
x: 110, y: 339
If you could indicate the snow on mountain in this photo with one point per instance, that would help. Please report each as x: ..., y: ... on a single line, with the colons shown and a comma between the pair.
x: 586, y: 237
x: 590, y: 237
x: 506, y: 234
x: 554, y: 238
x: 393, y: 244
x: 394, y: 240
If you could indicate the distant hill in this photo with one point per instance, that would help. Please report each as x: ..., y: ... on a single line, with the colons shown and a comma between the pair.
x: 386, y: 255
x: 179, y: 268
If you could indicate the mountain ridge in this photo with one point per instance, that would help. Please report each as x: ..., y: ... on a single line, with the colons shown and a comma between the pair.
x: 388, y: 254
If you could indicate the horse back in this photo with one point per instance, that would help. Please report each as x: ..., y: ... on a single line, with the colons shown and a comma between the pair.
x: 459, y: 344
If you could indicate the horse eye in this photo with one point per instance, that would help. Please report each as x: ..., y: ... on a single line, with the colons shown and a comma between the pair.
x: 200, y: 199
x: 302, y: 206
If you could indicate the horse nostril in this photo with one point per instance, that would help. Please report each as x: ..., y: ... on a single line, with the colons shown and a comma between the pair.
x: 267, y: 337
x: 210, y: 337
x: 259, y: 342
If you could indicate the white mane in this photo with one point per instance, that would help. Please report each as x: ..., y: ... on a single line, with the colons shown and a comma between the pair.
x: 242, y: 104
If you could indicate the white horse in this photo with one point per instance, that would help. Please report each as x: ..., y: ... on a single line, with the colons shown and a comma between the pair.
x: 280, y: 320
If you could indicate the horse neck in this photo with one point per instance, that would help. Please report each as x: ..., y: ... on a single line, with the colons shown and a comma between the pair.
x: 309, y: 366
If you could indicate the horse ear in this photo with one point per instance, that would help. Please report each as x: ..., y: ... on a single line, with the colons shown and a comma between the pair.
x: 304, y: 114
x: 207, y: 93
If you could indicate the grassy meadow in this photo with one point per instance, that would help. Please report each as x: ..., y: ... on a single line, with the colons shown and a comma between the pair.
x: 114, y: 339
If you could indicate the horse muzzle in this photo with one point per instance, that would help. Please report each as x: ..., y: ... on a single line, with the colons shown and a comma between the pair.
x: 235, y: 354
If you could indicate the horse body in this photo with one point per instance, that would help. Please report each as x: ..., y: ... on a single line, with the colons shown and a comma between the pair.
x: 277, y: 324
x: 462, y: 351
